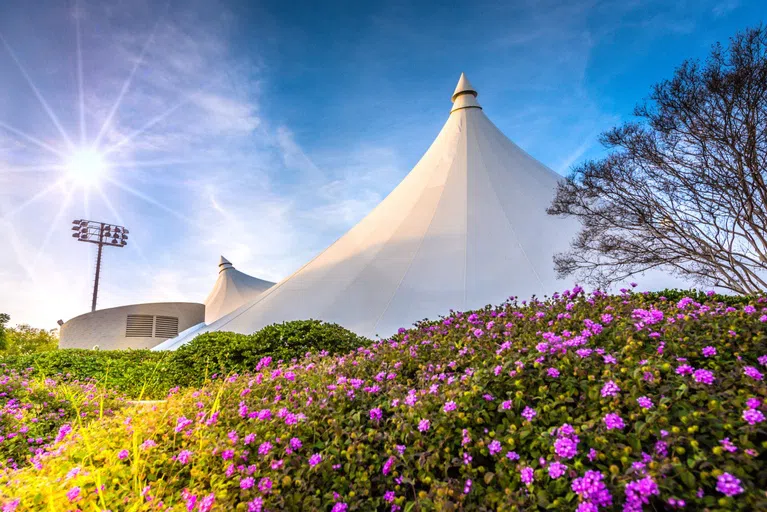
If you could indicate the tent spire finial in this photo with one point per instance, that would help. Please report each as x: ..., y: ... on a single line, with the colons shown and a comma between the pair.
x: 465, y: 95
x: 224, y: 264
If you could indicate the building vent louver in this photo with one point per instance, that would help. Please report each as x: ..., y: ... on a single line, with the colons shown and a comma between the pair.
x: 166, y: 327
x: 139, y: 326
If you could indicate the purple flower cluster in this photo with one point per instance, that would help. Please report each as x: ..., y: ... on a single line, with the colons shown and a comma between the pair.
x: 728, y: 485
x: 613, y: 421
x: 703, y: 377
x: 638, y: 493
x: 592, y: 489
x: 644, y: 402
x: 610, y: 389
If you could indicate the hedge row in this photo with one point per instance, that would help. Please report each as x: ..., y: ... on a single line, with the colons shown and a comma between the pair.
x: 147, y: 374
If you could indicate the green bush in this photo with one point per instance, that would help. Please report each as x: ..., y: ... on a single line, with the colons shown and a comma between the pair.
x: 136, y: 373
x: 508, y: 408
x: 215, y: 353
x: 150, y: 375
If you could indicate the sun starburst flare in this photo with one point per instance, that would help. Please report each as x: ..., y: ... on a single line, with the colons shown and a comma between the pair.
x: 86, y: 168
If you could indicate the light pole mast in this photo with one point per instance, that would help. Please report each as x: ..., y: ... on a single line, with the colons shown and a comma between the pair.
x: 102, y: 235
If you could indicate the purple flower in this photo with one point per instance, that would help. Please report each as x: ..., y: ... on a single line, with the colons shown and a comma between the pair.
x: 295, y: 443
x: 566, y: 448
x: 184, y: 456
x: 529, y: 413
x: 591, y: 488
x: 467, y: 486
x: 753, y: 403
x: 727, y: 445
x: 449, y: 406
x: 752, y: 372
x: 704, y: 377
x: 644, y: 402
x: 265, y: 485
x: 684, y: 369
x: 315, y: 459
x: 423, y: 425
x: 182, y: 423
x: 749, y: 309
x: 73, y: 494
x: 613, y: 421
x: 506, y: 405
x: 265, y: 448
x: 64, y: 431
x: 494, y: 447
x: 512, y: 455
x: 340, y: 507
x: 387, y: 466
x: 389, y: 496
x: 553, y: 372
x: 709, y: 351
x: 247, y: 483
x: 728, y: 485
x: 527, y: 475
x: 556, y: 469
x: 610, y: 389
x: 376, y: 414
x: 638, y: 493
x: 123, y: 454
x: 753, y: 416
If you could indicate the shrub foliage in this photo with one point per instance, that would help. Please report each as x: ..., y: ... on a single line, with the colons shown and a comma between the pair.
x: 147, y: 374
x: 580, y: 402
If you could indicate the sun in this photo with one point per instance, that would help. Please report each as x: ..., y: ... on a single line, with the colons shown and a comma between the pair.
x: 86, y: 167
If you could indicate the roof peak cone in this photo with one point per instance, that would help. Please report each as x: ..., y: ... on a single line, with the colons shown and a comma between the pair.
x: 224, y: 264
x: 464, y: 95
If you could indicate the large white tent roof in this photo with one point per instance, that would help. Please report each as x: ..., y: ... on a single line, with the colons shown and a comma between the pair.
x: 465, y: 228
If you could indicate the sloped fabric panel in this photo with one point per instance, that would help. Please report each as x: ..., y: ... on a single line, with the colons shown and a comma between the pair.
x: 435, y: 280
x: 315, y: 291
x: 525, y: 189
x: 497, y: 263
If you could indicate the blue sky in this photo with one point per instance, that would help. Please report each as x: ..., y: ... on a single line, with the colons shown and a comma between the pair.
x: 264, y: 130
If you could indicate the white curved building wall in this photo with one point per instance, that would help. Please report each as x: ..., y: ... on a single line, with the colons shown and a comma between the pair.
x: 138, y: 326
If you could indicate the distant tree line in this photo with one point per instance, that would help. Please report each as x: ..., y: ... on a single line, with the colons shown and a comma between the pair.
x: 25, y: 339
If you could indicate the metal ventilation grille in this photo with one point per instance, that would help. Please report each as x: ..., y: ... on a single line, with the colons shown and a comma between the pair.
x: 166, y: 327
x: 139, y: 326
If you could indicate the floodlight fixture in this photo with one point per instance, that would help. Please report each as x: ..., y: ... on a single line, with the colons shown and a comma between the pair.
x: 101, y: 234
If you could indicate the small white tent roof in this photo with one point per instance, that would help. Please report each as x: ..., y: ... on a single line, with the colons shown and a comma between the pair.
x: 465, y: 228
x: 232, y: 289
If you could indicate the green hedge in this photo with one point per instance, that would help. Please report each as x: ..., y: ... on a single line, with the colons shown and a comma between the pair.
x: 147, y: 374
x: 127, y: 371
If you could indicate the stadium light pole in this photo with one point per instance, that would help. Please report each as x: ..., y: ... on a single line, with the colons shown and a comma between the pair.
x: 101, y: 234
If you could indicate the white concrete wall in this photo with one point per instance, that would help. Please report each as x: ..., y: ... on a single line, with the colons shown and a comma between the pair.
x: 106, y: 327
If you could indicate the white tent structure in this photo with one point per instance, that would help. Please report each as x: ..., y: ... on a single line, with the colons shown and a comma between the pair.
x: 465, y: 228
x: 232, y: 289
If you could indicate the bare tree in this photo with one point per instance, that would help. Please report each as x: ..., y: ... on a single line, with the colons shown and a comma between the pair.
x: 684, y: 189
